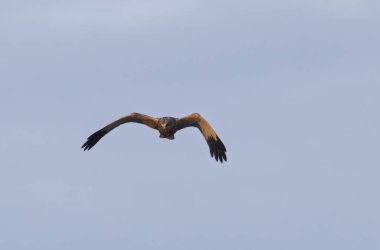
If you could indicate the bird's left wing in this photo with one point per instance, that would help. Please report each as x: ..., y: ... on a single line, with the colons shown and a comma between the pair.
x: 134, y: 117
x: 217, y: 148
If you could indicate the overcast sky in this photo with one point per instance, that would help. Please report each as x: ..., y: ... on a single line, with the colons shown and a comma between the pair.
x: 291, y: 87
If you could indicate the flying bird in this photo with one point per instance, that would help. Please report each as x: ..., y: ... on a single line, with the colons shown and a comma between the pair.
x: 167, y: 127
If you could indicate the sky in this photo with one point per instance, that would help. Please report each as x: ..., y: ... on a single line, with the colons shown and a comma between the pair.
x: 291, y: 87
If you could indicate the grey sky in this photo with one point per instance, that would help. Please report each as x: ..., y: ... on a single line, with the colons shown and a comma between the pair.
x: 291, y: 87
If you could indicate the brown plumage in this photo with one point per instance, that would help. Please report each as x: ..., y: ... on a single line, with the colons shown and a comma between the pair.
x: 167, y: 127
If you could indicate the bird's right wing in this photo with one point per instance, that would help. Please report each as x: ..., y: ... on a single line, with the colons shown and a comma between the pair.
x: 134, y: 117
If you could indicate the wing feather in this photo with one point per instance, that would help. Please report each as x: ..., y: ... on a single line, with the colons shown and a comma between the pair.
x: 217, y: 148
x: 133, y: 117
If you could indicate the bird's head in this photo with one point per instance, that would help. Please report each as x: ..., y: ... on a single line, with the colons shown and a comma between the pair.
x: 167, y: 123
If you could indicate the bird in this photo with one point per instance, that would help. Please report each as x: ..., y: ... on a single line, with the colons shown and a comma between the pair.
x: 167, y: 127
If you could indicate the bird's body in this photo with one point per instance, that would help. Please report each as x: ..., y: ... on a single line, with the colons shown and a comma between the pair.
x: 167, y: 127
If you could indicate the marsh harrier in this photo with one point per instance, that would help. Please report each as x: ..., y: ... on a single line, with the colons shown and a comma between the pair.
x: 167, y: 127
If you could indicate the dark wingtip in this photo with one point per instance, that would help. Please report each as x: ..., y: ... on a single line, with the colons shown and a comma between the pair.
x: 93, y: 139
x: 86, y: 146
x: 217, y: 149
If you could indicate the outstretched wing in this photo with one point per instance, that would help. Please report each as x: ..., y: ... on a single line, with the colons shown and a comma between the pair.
x: 217, y: 148
x: 134, y: 117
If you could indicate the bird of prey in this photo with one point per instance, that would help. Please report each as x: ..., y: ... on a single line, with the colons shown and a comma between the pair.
x: 167, y: 127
